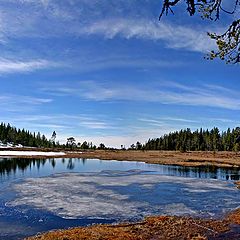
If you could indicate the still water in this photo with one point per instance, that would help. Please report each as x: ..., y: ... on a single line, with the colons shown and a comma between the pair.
x: 41, y: 194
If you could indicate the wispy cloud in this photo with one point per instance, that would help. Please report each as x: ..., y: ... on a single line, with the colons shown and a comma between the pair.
x: 222, y: 120
x: 51, y: 126
x: 19, y: 103
x: 76, y: 123
x: 164, y: 120
x: 96, y: 125
x: 174, y: 36
x: 94, y: 128
x: 92, y: 63
x: 8, y: 99
x: 17, y: 66
x: 174, y: 119
x: 72, y: 19
x: 175, y: 93
x: 149, y: 120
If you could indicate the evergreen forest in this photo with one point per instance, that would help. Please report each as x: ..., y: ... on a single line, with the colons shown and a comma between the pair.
x: 199, y: 140
x: 9, y: 134
x: 183, y: 140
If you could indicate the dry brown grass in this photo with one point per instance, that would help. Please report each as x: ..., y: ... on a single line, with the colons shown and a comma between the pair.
x: 238, y: 184
x: 234, y: 217
x: 220, y: 159
x: 202, y: 158
x: 154, y: 228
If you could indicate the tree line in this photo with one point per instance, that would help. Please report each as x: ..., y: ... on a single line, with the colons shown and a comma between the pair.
x: 183, y: 140
x: 71, y: 143
x: 199, y: 140
x: 16, y: 137
x: 9, y: 134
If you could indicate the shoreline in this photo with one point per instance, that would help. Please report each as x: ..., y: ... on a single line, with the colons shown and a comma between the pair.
x: 189, y: 159
x: 170, y: 227
x: 154, y: 227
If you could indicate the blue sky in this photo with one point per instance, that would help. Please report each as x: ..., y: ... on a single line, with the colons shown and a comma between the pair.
x: 109, y: 71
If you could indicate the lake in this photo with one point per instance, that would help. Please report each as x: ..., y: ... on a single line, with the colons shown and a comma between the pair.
x: 43, y: 194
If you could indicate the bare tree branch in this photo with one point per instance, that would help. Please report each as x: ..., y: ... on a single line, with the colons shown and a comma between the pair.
x: 228, y: 43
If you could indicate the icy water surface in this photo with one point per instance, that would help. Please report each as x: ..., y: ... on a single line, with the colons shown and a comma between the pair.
x: 39, y: 195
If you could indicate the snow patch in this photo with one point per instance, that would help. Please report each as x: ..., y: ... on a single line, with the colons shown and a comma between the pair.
x: 30, y: 153
x: 10, y: 145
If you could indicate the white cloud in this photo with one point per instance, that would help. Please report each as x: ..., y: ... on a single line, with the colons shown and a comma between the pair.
x: 152, y: 121
x: 91, y: 128
x: 51, y: 126
x: 129, y: 134
x: 94, y: 63
x: 20, y: 103
x: 113, y: 141
x: 33, y: 100
x: 73, y: 18
x: 22, y: 99
x: 174, y: 36
x: 19, y: 66
x: 223, y: 120
x: 16, y: 66
x: 162, y: 120
x: 81, y: 126
x: 175, y: 93
x: 179, y: 120
x: 96, y: 125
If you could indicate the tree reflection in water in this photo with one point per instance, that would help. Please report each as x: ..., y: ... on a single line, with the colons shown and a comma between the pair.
x: 10, y: 166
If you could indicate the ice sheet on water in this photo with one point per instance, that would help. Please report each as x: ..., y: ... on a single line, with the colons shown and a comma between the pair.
x: 116, y: 173
x: 124, y: 195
